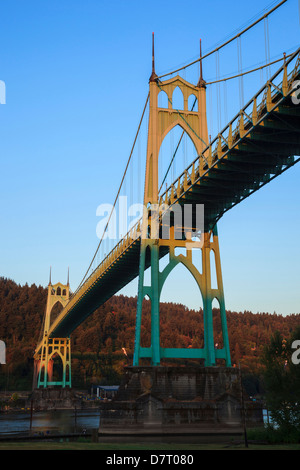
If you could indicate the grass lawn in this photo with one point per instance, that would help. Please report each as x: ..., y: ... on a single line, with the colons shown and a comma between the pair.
x: 119, y: 446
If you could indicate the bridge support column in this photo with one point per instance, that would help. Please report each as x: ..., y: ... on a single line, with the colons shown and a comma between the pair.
x: 52, y: 347
x: 154, y: 243
x: 211, y: 243
x: 155, y: 352
x: 152, y: 292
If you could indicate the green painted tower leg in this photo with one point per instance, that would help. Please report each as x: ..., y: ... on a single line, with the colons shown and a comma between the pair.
x: 155, y: 294
x: 138, y: 322
x: 207, y: 302
x: 221, y: 298
x: 152, y: 292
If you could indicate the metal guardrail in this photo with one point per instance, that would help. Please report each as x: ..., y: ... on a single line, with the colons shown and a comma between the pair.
x: 231, y: 133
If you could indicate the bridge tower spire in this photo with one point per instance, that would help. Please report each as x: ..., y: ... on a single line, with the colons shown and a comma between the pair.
x: 153, y: 75
x: 43, y: 377
x: 201, y: 82
x: 154, y: 245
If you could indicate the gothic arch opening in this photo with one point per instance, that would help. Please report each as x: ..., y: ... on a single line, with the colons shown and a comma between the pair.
x: 42, y: 374
x: 177, y: 99
x: 57, y: 368
x: 181, y: 311
x: 55, y: 311
x: 146, y: 323
x: 162, y: 100
x: 147, y: 272
x: 213, y: 270
x: 163, y: 260
x: 177, y: 150
x: 217, y: 328
x: 197, y: 258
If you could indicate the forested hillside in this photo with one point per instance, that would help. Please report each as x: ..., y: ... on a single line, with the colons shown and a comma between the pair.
x: 97, y: 345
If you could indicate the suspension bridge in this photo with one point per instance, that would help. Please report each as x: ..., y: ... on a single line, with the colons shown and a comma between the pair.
x: 257, y: 145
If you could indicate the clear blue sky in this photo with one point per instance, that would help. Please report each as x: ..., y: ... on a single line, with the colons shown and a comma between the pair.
x: 76, y: 75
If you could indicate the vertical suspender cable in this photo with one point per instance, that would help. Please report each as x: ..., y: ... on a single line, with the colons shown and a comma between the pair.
x: 261, y: 73
x: 267, y: 46
x: 225, y: 101
x: 139, y: 179
x: 117, y: 196
x: 218, y: 91
x: 240, y: 67
x: 161, y: 155
x: 185, y: 150
x: 211, y: 130
x: 172, y: 153
x: 184, y: 136
x: 131, y: 182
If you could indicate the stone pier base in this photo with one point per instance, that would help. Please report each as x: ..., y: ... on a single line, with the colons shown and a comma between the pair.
x: 178, y: 400
x: 53, y: 399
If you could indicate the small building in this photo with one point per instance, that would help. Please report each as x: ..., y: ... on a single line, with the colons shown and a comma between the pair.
x: 104, y: 391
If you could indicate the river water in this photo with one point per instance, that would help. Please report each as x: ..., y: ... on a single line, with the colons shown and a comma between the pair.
x: 52, y: 422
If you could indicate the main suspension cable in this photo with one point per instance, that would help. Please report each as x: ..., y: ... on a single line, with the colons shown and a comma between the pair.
x: 226, y: 42
x: 117, y: 196
x: 249, y: 71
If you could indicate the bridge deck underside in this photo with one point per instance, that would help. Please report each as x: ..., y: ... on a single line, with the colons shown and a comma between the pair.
x: 263, y: 152
x: 124, y: 270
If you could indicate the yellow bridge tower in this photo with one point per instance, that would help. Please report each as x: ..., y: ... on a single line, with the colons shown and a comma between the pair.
x: 194, y: 123
x: 57, y: 294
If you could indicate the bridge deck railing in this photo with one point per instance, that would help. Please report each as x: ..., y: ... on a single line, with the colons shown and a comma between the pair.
x: 250, y: 115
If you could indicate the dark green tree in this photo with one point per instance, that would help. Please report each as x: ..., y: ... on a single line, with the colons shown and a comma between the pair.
x: 282, y: 381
